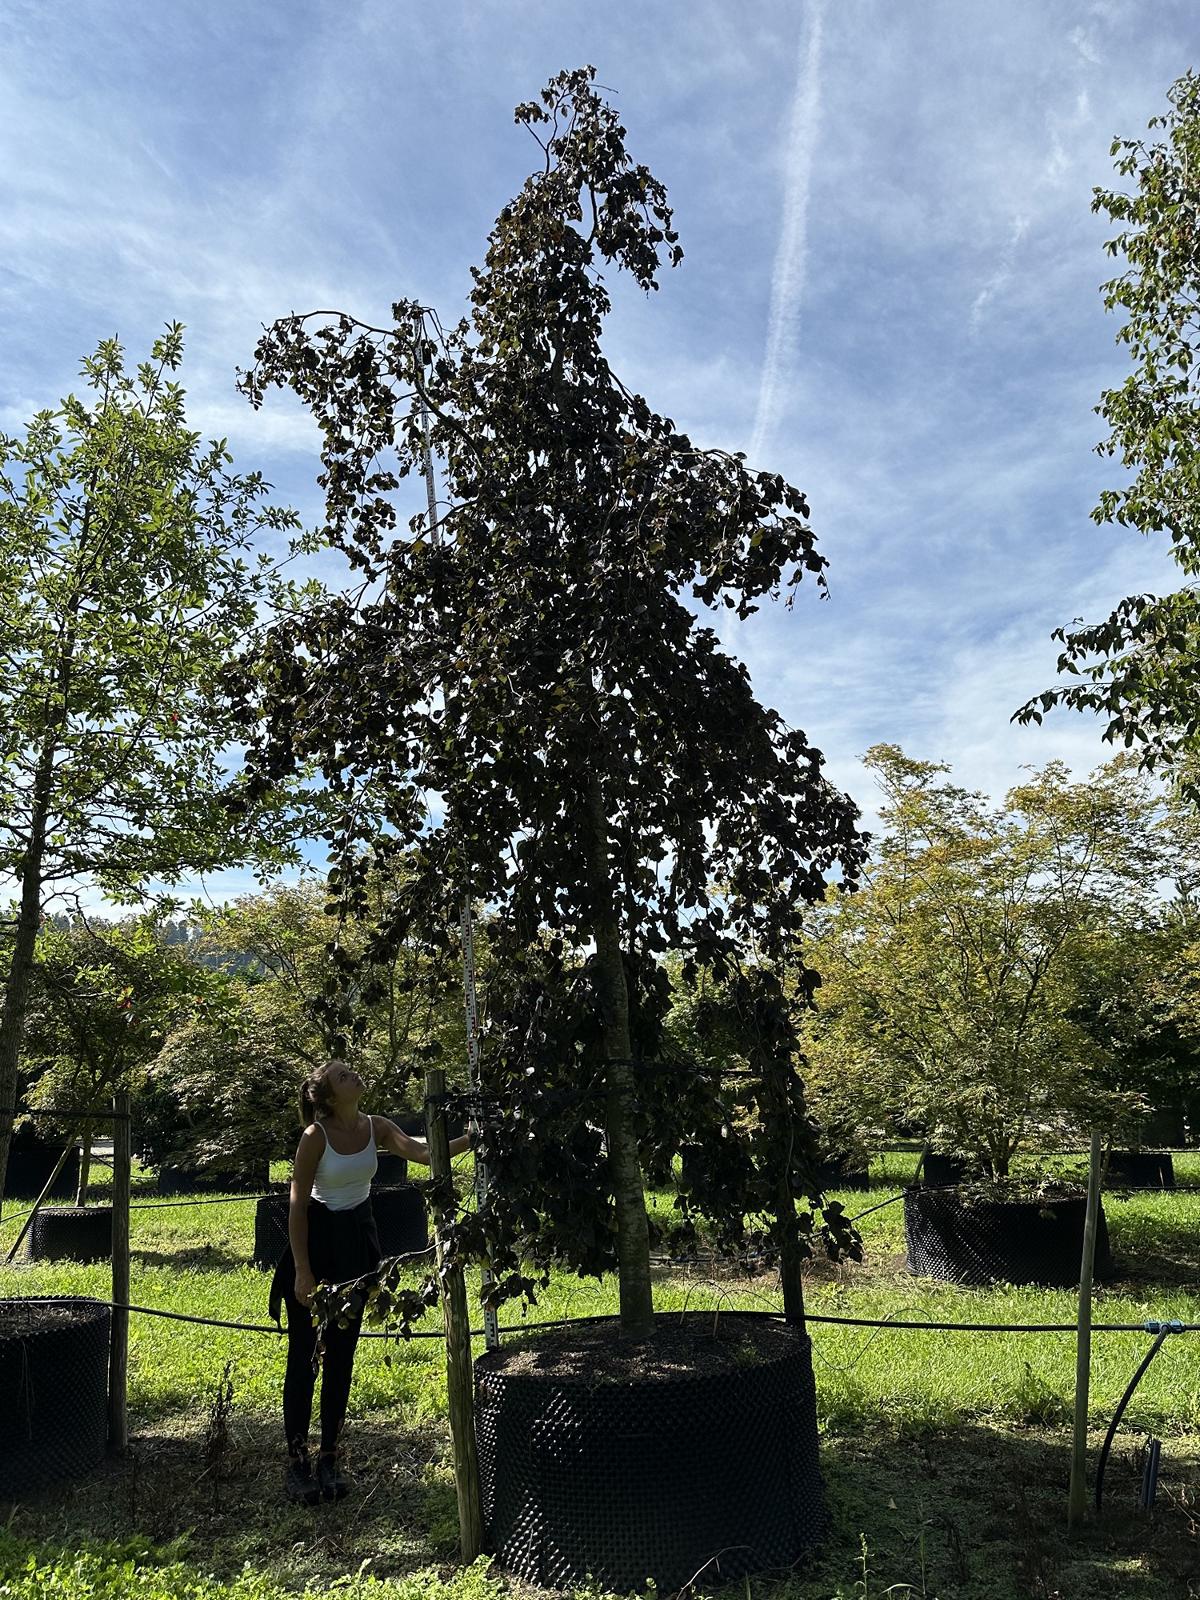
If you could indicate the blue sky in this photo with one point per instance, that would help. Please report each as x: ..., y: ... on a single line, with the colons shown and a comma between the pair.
x: 890, y: 290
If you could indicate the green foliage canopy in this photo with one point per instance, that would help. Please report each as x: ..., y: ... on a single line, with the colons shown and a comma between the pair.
x: 955, y: 983
x: 127, y: 579
x: 1138, y: 668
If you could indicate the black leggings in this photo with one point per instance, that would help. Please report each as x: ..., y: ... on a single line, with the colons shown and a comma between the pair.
x: 337, y: 1367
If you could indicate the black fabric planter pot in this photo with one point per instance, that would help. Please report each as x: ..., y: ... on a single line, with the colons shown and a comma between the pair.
x: 192, y: 1180
x: 399, y: 1218
x: 1007, y: 1241
x: 1141, y: 1169
x: 1164, y: 1125
x: 30, y: 1165
x: 669, y: 1476
x: 837, y: 1175
x: 270, y: 1229
x: 53, y: 1391
x: 939, y: 1169
x: 392, y: 1170
x: 71, y: 1233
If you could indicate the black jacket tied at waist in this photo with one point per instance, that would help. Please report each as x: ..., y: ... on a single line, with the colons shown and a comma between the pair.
x: 341, y: 1245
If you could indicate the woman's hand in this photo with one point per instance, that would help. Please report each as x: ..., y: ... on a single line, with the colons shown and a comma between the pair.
x: 305, y: 1284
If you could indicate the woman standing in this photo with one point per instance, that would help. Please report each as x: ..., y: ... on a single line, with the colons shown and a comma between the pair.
x: 331, y: 1238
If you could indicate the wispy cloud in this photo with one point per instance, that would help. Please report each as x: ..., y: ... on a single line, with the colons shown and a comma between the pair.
x: 791, y: 256
x: 1082, y: 39
x: 1004, y: 270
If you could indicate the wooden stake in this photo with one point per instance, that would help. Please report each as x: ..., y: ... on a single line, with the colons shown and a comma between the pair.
x: 38, y: 1203
x: 118, y: 1360
x: 1077, y: 1499
x: 460, y: 1377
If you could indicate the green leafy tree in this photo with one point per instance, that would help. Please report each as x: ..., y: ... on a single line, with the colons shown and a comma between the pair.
x: 598, y: 760
x: 224, y: 1090
x: 407, y: 1003
x: 221, y: 1094
x: 126, y: 581
x: 102, y: 1000
x: 1136, y: 990
x: 953, y: 990
x: 1138, y: 668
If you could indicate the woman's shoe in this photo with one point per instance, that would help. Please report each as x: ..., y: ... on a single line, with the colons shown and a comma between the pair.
x: 332, y: 1482
x: 300, y: 1484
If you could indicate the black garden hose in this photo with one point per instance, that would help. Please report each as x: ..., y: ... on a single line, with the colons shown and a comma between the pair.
x: 1162, y: 1332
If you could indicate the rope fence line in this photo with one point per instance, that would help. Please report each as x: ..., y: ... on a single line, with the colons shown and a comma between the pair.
x: 1150, y: 1325
x: 243, y: 1199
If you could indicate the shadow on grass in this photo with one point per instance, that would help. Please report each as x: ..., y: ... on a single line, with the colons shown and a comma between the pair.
x: 1153, y: 1249
x: 968, y: 1513
x: 202, y: 1257
x: 979, y: 1513
x: 226, y: 1506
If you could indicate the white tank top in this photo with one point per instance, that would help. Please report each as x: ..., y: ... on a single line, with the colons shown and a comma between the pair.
x: 343, y: 1182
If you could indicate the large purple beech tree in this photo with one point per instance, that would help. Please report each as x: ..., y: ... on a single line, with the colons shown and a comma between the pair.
x: 609, y: 786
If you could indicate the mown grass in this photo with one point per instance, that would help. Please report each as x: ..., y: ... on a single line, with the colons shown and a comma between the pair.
x: 945, y: 1452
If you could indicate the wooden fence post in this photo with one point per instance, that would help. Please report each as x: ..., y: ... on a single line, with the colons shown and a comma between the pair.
x: 460, y: 1377
x: 1077, y: 1496
x: 118, y: 1360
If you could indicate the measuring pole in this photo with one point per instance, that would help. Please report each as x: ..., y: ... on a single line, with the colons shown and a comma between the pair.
x: 491, y: 1323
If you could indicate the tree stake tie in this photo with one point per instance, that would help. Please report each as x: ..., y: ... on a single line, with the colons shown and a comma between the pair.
x: 491, y: 1322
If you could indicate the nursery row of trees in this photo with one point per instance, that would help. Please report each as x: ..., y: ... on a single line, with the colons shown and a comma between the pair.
x: 210, y: 1025
x: 1006, y: 977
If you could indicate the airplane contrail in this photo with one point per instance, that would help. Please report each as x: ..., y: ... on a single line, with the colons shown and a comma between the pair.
x: 791, y: 256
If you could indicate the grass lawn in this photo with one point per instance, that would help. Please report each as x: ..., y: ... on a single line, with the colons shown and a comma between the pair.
x: 945, y: 1454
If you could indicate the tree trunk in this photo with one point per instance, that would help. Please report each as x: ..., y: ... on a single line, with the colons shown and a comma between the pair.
x: 85, y: 1165
x: 792, y: 1255
x: 16, y: 991
x: 633, y: 1232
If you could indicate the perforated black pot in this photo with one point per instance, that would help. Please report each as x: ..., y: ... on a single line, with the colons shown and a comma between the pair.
x: 668, y: 1477
x: 939, y: 1169
x: 1009, y: 1241
x: 205, y: 1180
x: 392, y: 1170
x: 71, y: 1233
x: 1141, y: 1169
x: 838, y: 1175
x: 400, y: 1220
x: 29, y: 1168
x: 53, y: 1392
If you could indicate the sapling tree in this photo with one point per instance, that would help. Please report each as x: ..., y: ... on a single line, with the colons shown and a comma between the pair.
x: 541, y: 669
x: 221, y: 1094
x: 127, y: 578
x: 224, y: 1090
